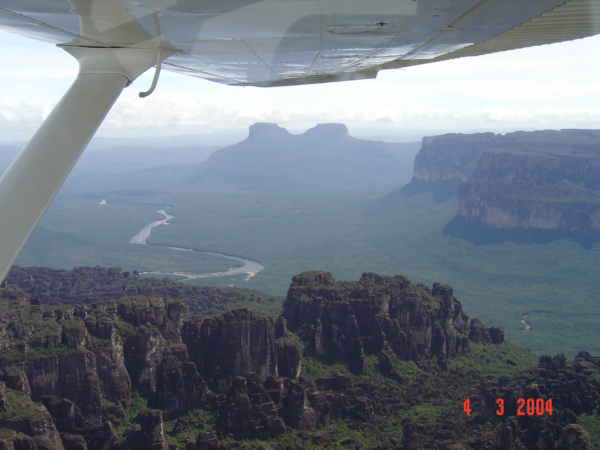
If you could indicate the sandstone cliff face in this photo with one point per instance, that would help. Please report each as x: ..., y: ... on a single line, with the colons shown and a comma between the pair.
x: 533, y: 191
x: 376, y: 314
x: 31, y: 424
x: 152, y: 435
x: 446, y: 161
x: 236, y: 343
x: 451, y: 156
x: 542, y: 180
x: 82, y: 363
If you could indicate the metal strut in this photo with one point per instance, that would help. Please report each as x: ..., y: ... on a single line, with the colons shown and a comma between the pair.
x: 35, y: 176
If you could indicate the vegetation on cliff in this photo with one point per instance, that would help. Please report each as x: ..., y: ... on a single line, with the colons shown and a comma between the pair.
x: 541, y: 180
x: 374, y: 363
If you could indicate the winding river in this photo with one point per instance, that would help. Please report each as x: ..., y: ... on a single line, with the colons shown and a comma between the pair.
x: 250, y: 267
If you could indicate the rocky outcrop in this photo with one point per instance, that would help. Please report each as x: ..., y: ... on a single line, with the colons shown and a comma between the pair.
x: 143, y: 353
x: 180, y: 386
x: 573, y: 388
x: 249, y: 412
x: 151, y: 436
x: 410, y: 435
x: 337, y: 397
x: 296, y: 408
x: 289, y: 360
x: 451, y: 156
x: 82, y: 362
x: 574, y: 437
x: 232, y: 345
x: 74, y: 442
x: 66, y: 414
x: 208, y: 441
x: 376, y: 314
x: 480, y: 333
x: 73, y: 377
x: 108, y: 351
x: 31, y: 422
x: 106, y: 376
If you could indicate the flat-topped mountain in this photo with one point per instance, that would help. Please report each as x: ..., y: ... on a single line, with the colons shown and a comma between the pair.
x: 544, y: 180
x: 540, y: 180
x: 324, y: 157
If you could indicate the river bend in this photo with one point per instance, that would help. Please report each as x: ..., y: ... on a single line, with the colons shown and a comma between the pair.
x: 250, y: 267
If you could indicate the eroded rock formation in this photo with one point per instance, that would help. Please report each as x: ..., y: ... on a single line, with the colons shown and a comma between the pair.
x: 573, y: 389
x: 376, y: 314
x: 71, y: 376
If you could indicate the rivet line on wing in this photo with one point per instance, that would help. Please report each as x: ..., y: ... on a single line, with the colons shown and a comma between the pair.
x: 186, y: 69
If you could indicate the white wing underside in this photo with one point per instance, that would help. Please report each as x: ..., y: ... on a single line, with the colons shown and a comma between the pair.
x: 288, y: 42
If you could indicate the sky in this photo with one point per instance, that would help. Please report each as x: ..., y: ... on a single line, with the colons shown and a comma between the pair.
x: 549, y: 87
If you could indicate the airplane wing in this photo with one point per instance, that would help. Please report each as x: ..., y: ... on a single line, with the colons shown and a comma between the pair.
x: 245, y: 43
x: 288, y: 42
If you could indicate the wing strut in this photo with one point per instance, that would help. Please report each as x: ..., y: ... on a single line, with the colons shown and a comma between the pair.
x: 35, y: 176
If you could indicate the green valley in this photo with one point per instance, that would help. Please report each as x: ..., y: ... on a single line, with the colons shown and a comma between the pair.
x: 322, y: 200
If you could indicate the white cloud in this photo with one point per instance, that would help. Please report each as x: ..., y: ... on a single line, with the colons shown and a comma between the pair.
x: 192, y: 112
x: 184, y: 113
x: 25, y: 115
x: 553, y: 86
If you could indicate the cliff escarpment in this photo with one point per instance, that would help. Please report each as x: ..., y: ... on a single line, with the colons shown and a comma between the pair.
x: 541, y: 186
x: 446, y: 161
x: 374, y: 363
x: 540, y: 180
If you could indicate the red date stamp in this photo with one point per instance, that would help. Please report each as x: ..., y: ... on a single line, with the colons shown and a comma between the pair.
x: 529, y: 407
